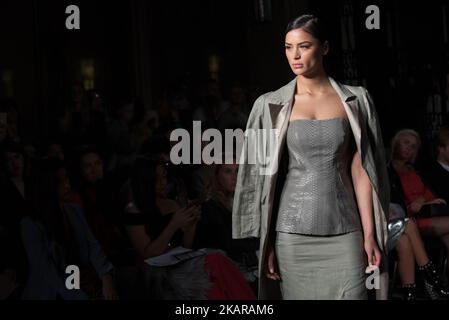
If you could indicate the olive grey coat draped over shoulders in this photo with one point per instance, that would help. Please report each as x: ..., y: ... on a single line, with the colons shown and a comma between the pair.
x: 260, y: 163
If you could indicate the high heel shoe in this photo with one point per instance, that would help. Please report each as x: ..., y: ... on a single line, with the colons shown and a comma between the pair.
x: 433, y: 285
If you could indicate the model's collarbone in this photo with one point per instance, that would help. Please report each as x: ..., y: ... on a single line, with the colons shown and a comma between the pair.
x: 318, y: 109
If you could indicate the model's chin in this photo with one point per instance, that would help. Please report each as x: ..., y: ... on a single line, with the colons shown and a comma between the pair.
x: 299, y: 71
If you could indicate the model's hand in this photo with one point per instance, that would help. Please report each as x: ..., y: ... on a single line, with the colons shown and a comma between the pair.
x: 372, y: 252
x: 273, y: 270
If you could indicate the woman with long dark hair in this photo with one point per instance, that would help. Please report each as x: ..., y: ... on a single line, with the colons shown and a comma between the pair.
x: 322, y: 219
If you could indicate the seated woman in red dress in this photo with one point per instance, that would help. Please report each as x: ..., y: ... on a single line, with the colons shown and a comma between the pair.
x: 406, y: 239
x: 404, y: 148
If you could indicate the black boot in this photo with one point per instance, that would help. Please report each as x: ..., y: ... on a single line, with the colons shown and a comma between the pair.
x: 435, y: 288
x: 409, y: 292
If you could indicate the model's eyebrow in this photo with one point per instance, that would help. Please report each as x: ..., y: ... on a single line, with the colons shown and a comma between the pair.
x: 304, y: 42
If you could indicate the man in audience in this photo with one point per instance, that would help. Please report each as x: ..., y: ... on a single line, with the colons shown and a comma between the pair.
x: 438, y: 173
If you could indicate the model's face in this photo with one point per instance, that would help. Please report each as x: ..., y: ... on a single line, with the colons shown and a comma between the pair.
x: 92, y: 167
x: 304, y: 52
x: 227, y: 177
x: 407, y: 147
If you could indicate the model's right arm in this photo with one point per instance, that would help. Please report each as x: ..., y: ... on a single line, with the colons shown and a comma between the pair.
x: 246, y: 206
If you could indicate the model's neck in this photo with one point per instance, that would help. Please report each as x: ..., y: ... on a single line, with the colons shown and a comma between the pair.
x: 312, y: 85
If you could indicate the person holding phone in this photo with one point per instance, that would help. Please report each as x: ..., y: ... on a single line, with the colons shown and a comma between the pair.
x: 156, y: 224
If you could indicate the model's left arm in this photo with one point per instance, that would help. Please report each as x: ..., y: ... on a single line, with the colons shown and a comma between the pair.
x: 374, y: 163
x: 363, y: 191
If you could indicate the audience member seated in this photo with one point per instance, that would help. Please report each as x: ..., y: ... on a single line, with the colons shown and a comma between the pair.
x: 97, y: 196
x: 158, y: 148
x: 437, y: 176
x: 215, y: 226
x: 404, y: 147
x: 202, y: 179
x: 16, y: 187
x: 410, y: 248
x: 74, y: 118
x: 98, y: 119
x: 155, y: 225
x: 9, y: 116
x: 143, y: 125
x: 119, y: 139
x: 53, y: 149
x: 57, y: 236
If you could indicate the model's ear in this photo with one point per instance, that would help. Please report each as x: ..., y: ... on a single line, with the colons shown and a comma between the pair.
x: 325, y: 48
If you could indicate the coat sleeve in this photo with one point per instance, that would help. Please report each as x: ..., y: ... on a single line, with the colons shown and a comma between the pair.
x: 377, y: 170
x: 377, y: 167
x: 246, y: 213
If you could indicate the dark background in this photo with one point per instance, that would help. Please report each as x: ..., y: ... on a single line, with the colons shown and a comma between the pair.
x: 140, y: 48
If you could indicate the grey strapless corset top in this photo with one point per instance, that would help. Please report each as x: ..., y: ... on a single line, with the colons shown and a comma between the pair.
x: 318, y: 196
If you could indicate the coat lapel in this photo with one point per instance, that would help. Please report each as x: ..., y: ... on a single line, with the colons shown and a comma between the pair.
x: 280, y: 105
x: 351, y: 105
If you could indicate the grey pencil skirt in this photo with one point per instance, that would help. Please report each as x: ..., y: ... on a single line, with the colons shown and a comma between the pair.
x: 322, y: 268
